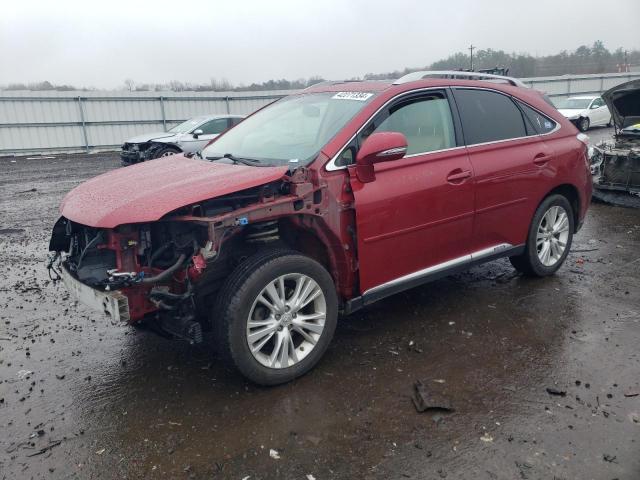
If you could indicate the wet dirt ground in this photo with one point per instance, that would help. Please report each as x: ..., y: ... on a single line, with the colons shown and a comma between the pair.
x: 83, y: 398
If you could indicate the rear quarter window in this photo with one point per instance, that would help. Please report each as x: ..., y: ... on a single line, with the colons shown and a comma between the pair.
x: 488, y: 116
x: 536, y: 120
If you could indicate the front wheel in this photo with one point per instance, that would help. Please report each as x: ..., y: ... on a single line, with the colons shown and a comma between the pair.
x: 549, y: 239
x: 165, y: 152
x: 275, y: 316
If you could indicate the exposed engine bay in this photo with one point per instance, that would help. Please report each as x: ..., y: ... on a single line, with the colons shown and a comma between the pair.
x: 615, y: 163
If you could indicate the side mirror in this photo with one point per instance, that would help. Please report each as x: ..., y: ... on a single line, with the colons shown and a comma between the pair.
x: 379, y: 147
x: 197, y: 133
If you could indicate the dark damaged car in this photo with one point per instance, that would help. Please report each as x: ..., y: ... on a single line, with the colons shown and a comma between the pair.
x: 324, y: 202
x: 615, y: 163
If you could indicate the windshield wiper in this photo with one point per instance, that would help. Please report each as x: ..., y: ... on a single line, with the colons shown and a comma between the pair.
x: 252, y: 162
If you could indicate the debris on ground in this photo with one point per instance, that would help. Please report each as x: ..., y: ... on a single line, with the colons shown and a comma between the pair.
x: 274, y: 454
x: 45, y: 449
x: 609, y: 458
x: 632, y: 392
x: 425, y: 399
x: 486, y: 438
x: 555, y: 391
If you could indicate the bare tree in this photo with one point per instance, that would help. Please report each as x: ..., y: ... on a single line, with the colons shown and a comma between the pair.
x: 130, y: 84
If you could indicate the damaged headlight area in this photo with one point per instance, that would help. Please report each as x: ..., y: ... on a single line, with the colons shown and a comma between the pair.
x: 153, y: 266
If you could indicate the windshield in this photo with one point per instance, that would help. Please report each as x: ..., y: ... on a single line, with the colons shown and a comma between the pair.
x: 574, y: 103
x: 291, y: 130
x: 187, y: 126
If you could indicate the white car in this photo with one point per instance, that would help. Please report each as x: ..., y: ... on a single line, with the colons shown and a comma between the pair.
x: 188, y: 137
x: 585, y: 111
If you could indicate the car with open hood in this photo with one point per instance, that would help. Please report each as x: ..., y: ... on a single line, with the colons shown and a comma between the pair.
x: 616, y: 161
x: 585, y: 111
x: 189, y: 136
x: 322, y: 203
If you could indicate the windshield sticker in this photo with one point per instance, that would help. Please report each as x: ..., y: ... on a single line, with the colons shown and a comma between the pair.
x: 360, y: 96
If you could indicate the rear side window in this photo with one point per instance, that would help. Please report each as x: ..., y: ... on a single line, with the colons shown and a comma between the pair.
x: 488, y: 116
x: 538, y: 122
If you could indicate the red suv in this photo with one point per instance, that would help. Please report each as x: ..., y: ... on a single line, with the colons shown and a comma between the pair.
x: 323, y: 202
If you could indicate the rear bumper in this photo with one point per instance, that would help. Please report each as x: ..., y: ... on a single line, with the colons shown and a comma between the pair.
x: 114, y: 304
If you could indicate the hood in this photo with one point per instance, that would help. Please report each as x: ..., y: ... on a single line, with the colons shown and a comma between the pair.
x: 571, y: 112
x: 147, y: 191
x: 624, y: 103
x: 147, y: 137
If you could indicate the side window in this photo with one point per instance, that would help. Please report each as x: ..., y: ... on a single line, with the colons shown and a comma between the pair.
x: 214, y: 127
x: 598, y: 102
x: 539, y: 122
x: 235, y: 121
x: 426, y: 122
x: 488, y: 116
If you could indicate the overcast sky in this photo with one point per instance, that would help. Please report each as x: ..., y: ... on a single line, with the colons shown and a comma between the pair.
x: 101, y: 43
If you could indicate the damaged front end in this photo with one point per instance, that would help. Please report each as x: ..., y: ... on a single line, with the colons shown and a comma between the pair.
x: 615, y: 163
x: 131, y: 271
x: 166, y: 272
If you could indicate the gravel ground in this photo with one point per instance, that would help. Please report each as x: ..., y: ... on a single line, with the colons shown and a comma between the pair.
x: 83, y: 398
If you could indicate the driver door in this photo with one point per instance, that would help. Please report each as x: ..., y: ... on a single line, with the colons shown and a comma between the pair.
x: 416, y: 218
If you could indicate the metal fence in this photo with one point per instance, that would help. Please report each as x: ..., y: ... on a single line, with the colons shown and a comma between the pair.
x: 567, y: 85
x: 52, y: 122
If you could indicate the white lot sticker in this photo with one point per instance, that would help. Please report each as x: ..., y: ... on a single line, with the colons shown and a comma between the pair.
x: 361, y: 96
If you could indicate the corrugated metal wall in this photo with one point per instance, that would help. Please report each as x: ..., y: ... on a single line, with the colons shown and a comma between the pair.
x: 32, y: 122
x: 567, y: 85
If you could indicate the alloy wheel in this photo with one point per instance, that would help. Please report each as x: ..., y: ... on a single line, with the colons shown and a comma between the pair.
x: 552, y: 236
x: 286, y: 320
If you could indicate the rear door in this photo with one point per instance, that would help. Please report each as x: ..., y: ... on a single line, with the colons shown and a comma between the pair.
x: 599, y: 112
x: 418, y: 212
x: 510, y: 161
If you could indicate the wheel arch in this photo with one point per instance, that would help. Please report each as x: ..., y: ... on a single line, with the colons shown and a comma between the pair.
x: 159, y: 145
x: 571, y: 193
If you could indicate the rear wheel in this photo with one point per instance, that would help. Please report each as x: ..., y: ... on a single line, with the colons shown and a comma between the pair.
x: 275, y: 316
x: 583, y: 124
x: 549, y: 239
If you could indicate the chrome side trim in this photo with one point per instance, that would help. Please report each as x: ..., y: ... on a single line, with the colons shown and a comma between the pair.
x: 439, y: 268
x: 392, y: 151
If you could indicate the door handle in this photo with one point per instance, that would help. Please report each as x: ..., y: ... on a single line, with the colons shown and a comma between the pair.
x: 541, y: 159
x: 458, y: 175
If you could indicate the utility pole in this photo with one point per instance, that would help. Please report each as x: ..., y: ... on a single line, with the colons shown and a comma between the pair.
x: 471, y: 50
x: 626, y: 62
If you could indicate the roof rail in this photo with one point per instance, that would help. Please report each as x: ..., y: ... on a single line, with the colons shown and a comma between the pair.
x: 412, y: 77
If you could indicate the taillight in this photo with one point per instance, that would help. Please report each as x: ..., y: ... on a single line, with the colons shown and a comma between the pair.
x: 585, y: 141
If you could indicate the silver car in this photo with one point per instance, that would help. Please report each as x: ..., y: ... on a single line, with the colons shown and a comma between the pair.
x: 188, y: 137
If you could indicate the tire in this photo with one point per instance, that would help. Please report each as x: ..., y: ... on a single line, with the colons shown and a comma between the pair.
x: 583, y: 124
x: 534, y: 261
x: 165, y: 152
x: 238, y: 304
